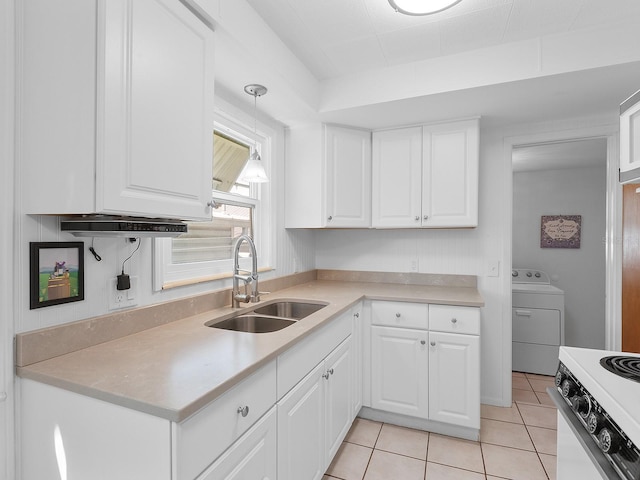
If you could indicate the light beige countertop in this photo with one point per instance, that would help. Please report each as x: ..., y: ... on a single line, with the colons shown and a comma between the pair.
x: 174, y: 370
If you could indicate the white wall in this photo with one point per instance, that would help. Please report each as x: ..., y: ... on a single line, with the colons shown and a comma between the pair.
x: 579, y: 272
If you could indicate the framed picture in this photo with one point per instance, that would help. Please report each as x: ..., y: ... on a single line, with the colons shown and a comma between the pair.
x: 56, y: 273
x: 560, y: 231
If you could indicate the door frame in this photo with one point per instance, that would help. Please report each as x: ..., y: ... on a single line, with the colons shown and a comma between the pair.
x: 613, y: 235
x: 7, y: 149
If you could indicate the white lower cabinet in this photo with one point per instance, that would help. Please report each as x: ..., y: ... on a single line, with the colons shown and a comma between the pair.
x: 400, y: 370
x: 252, y: 457
x: 432, y: 372
x: 314, y: 417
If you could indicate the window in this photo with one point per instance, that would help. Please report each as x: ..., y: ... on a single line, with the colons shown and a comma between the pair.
x: 205, y: 252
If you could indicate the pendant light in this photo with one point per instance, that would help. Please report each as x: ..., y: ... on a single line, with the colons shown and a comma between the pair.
x: 254, y: 170
x: 421, y: 7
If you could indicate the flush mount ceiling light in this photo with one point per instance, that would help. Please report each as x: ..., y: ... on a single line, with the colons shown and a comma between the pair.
x: 421, y: 7
x: 254, y: 171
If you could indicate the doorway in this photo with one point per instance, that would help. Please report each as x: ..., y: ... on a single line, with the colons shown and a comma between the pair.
x: 566, y: 179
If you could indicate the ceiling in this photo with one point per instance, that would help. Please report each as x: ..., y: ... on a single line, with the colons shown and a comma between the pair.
x: 334, y: 38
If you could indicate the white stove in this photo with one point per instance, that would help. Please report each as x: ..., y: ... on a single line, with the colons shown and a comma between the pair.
x: 598, y: 414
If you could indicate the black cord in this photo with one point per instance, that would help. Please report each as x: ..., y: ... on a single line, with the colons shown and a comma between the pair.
x: 132, y: 253
x: 93, y: 252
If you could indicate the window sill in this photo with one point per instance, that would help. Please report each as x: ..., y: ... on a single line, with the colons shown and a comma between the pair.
x: 208, y: 278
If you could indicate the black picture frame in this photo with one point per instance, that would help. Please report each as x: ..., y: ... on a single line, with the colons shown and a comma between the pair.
x: 56, y: 273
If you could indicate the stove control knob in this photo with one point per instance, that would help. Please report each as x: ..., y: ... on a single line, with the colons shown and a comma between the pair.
x: 610, y: 442
x: 581, y: 405
x: 514, y: 273
x: 595, y: 422
x: 560, y: 377
x: 569, y: 388
x: 529, y: 274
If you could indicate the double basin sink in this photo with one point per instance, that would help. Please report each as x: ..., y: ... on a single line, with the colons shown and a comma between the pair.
x: 268, y: 318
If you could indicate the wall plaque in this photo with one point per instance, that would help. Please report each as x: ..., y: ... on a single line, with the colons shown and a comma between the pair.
x: 560, y: 231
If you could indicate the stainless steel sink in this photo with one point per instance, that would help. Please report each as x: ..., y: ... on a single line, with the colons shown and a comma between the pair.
x: 253, y: 324
x: 289, y: 309
x: 268, y: 318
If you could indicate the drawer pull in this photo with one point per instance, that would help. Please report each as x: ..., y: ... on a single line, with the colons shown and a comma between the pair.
x: 325, y: 375
x: 422, y: 342
x: 357, y: 315
x: 398, y: 315
x: 244, y: 411
x: 331, y: 371
x: 433, y: 344
x: 523, y: 313
x: 454, y: 320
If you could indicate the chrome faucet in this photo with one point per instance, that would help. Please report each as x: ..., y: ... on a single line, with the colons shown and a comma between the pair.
x: 250, y: 278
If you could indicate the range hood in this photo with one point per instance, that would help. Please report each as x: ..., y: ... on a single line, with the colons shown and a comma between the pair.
x: 118, y: 226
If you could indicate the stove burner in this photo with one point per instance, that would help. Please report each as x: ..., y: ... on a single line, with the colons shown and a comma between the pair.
x: 624, y: 366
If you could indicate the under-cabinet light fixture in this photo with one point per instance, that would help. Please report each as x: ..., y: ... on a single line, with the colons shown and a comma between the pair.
x: 421, y: 7
x: 254, y: 170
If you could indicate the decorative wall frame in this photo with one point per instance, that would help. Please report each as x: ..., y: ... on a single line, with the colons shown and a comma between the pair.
x: 560, y: 231
x: 56, y: 273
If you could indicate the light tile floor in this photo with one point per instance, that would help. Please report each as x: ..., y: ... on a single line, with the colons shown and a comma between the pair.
x: 516, y: 443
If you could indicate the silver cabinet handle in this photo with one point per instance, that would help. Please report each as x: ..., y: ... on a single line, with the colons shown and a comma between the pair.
x: 244, y: 411
x: 422, y: 342
x: 398, y: 315
x: 426, y: 217
x: 454, y: 320
x: 417, y: 217
x: 433, y: 344
x: 330, y: 218
x: 331, y: 371
x: 357, y: 315
x: 325, y: 375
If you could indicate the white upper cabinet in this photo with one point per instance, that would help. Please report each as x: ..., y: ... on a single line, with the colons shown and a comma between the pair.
x: 328, y: 177
x: 630, y: 139
x: 426, y: 176
x: 116, y: 108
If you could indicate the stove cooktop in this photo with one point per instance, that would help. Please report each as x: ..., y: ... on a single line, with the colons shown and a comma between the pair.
x: 623, y: 366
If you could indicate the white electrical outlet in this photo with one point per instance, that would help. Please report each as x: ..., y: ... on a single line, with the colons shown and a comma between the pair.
x: 122, y: 298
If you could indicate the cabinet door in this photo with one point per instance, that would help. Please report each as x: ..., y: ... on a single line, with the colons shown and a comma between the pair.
x: 252, y: 457
x: 396, y: 185
x: 348, y: 177
x: 338, y: 408
x: 399, y: 372
x: 301, y: 421
x: 454, y: 379
x: 450, y: 175
x: 155, y: 110
x: 356, y: 345
x: 630, y: 137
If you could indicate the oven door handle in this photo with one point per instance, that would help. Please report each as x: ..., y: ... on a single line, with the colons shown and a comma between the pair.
x: 591, y: 448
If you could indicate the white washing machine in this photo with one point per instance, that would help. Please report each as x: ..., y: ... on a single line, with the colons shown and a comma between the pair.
x: 538, y: 322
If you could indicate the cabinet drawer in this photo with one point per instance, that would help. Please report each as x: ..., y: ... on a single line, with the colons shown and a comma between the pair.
x: 400, y: 314
x: 200, y: 439
x: 299, y: 360
x: 454, y: 319
x: 252, y: 456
